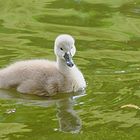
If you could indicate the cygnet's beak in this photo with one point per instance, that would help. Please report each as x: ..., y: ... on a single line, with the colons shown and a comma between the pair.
x: 68, y: 59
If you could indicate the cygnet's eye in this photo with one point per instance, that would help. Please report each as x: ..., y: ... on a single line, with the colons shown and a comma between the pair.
x: 61, y: 49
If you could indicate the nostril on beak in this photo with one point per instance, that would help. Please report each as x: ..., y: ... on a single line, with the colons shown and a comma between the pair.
x: 70, y: 64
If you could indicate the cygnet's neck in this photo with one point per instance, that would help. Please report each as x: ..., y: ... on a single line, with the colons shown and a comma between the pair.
x: 72, y: 73
x: 62, y: 66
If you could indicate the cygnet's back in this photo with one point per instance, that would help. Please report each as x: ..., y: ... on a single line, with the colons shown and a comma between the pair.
x: 40, y: 76
x: 44, y: 77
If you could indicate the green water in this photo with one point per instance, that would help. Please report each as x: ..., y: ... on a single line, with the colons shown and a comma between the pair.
x: 107, y: 34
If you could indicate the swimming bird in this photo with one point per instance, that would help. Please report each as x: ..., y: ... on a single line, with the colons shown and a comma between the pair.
x: 45, y: 77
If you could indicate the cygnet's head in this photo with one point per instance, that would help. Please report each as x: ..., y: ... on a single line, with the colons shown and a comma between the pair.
x: 64, y: 48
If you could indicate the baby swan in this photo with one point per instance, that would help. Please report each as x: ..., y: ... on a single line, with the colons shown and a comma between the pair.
x: 44, y: 77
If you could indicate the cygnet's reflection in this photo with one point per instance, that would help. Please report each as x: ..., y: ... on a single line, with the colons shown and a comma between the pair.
x: 69, y: 121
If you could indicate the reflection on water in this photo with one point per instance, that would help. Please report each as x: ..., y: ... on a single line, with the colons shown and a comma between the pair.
x: 68, y: 119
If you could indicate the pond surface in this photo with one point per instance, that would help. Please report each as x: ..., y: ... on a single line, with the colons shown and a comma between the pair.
x: 107, y: 34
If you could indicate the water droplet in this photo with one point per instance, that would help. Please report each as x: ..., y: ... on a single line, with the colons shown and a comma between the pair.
x: 55, y: 129
x: 9, y: 111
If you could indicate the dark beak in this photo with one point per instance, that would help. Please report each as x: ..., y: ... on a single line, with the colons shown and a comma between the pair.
x: 68, y: 60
